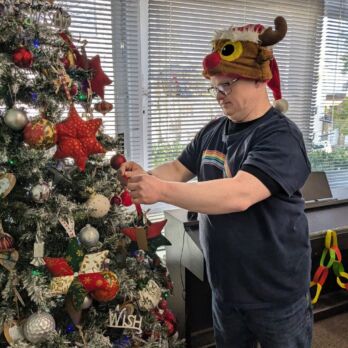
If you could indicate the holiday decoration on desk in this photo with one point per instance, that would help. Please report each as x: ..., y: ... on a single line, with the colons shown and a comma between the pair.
x: 76, y: 138
x: 335, y: 261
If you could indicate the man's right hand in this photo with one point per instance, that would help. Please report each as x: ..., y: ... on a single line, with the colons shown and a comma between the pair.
x: 126, y: 168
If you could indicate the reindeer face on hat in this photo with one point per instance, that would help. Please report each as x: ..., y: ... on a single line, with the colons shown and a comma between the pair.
x: 245, y: 52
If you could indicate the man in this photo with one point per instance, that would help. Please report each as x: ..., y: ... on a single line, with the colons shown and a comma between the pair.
x: 250, y: 166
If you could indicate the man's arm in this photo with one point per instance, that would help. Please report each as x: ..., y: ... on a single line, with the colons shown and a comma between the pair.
x: 172, y: 171
x: 218, y: 196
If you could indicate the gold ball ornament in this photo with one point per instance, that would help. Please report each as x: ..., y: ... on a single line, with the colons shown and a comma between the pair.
x: 15, y: 119
x: 40, y: 134
x: 7, y: 183
x: 13, y: 331
x: 98, y: 205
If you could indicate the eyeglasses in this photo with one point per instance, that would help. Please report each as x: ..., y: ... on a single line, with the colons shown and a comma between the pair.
x: 224, y: 88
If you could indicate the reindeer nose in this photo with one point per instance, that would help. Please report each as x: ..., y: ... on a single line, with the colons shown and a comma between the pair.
x: 211, y: 61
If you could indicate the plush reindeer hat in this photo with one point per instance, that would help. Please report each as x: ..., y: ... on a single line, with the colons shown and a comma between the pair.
x: 246, y: 52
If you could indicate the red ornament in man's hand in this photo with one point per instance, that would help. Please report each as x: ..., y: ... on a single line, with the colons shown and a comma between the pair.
x: 126, y: 199
x: 117, y: 160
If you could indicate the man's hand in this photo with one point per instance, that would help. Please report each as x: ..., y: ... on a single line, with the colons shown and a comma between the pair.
x: 128, y: 168
x: 145, y: 189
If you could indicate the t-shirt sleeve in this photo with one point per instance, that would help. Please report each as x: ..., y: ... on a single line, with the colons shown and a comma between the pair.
x: 281, y: 155
x: 190, y: 155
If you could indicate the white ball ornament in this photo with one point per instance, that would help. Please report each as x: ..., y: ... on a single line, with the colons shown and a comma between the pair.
x: 40, y: 192
x: 15, y: 119
x: 98, y: 205
x: 38, y: 326
x: 89, y: 236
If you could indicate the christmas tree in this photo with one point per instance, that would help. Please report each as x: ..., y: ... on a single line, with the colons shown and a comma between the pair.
x: 78, y: 267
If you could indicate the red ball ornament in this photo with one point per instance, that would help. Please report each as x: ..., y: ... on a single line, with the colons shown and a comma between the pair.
x: 170, y: 327
x: 168, y: 315
x: 117, y: 160
x: 163, y: 304
x: 126, y: 198
x: 22, y: 57
x: 74, y: 89
x: 116, y: 200
x: 109, y: 293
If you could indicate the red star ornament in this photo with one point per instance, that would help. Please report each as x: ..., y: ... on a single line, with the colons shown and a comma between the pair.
x: 99, y: 79
x: 76, y: 138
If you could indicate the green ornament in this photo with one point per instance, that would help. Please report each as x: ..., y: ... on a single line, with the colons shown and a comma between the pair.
x: 11, y: 162
x: 165, y: 295
x: 35, y: 272
x: 28, y: 22
x: 82, y: 97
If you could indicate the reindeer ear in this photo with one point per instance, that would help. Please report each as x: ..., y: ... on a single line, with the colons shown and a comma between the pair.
x: 270, y: 37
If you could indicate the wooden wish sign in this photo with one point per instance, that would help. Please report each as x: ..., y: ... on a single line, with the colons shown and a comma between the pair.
x: 121, y: 318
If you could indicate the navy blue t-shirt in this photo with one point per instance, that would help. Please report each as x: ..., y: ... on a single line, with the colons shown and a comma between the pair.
x: 260, y: 257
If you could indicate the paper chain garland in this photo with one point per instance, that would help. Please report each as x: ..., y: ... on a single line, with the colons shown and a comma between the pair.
x: 334, y: 261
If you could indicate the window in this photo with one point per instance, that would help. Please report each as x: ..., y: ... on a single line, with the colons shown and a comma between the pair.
x: 330, y: 136
x: 164, y: 95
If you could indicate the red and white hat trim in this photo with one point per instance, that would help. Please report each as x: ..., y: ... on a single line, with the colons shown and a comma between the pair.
x: 248, y: 32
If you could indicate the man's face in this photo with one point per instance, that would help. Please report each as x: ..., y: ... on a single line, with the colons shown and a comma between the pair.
x: 237, y: 98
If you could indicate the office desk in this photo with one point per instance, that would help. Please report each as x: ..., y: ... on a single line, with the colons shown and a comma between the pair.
x: 191, y: 302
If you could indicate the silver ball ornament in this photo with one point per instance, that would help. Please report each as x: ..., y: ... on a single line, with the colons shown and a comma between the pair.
x: 15, y: 119
x: 87, y: 302
x: 38, y: 326
x: 61, y: 19
x: 89, y: 236
x: 98, y: 205
x: 40, y: 192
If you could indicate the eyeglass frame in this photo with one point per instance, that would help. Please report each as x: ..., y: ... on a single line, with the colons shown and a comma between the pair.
x: 224, y: 88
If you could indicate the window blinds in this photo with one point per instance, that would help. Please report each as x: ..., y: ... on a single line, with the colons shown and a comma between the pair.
x: 330, y: 138
x: 92, y: 21
x: 179, y: 38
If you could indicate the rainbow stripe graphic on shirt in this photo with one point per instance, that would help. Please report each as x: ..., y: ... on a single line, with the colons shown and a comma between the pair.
x: 214, y: 158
